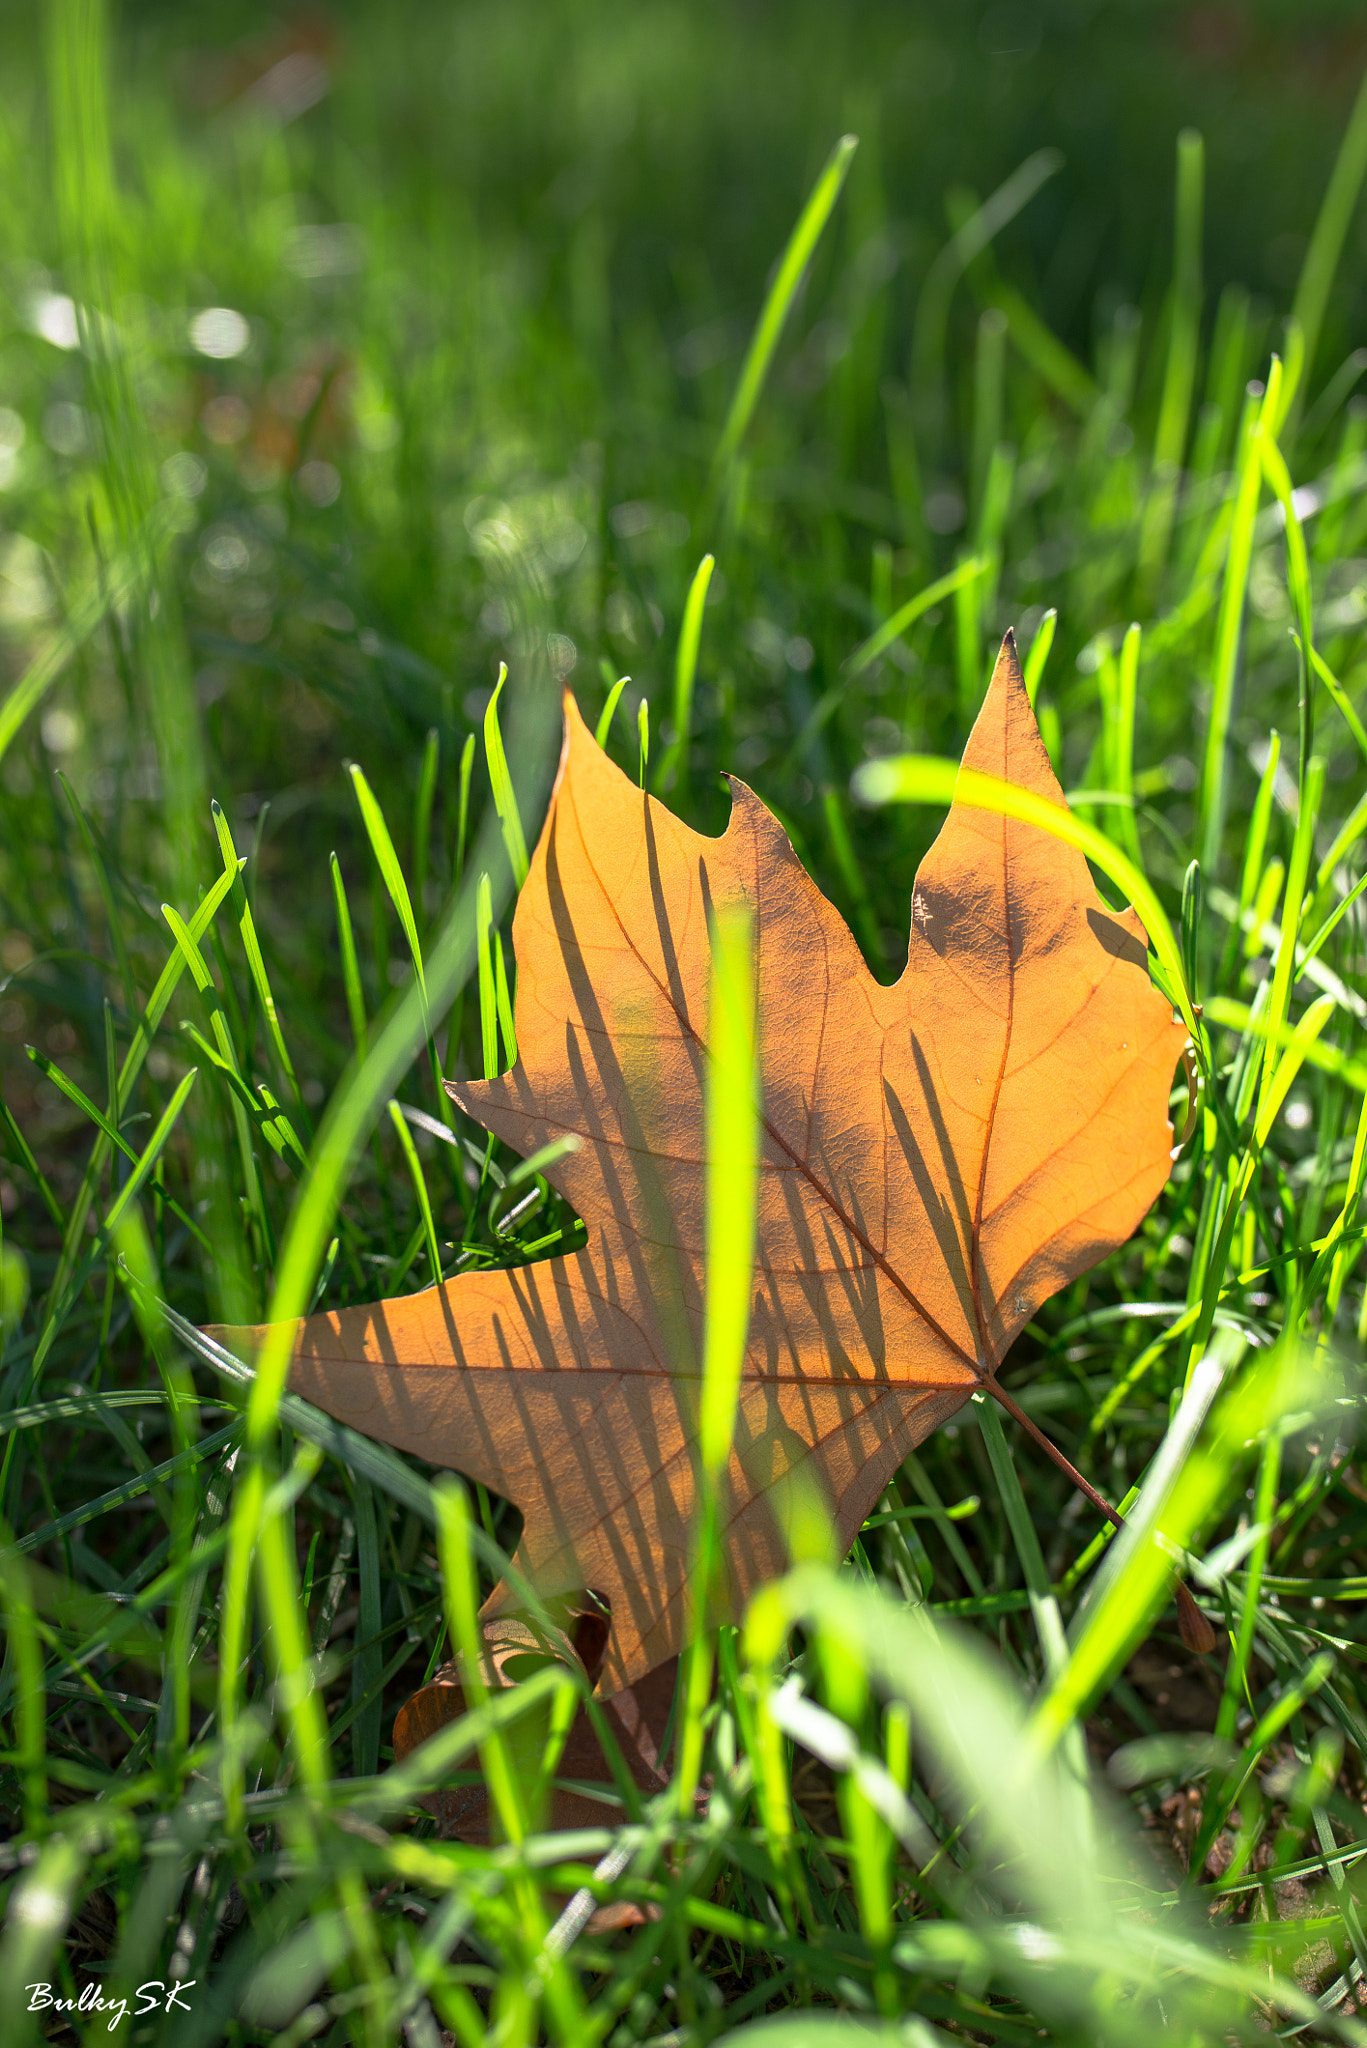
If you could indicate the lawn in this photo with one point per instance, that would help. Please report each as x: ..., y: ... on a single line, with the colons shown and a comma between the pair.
x: 350, y: 356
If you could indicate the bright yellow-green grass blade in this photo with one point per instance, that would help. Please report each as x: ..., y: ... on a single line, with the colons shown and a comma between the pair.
x: 685, y: 669
x: 924, y: 779
x: 387, y: 860
x: 505, y: 797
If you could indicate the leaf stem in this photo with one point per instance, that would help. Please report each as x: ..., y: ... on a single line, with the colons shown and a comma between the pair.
x: 1195, y: 1629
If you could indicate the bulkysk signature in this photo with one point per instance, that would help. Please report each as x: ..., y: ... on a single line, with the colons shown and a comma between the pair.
x: 153, y: 1996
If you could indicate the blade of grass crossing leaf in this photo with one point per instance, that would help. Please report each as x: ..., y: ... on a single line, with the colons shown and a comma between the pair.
x: 351, y: 966
x: 778, y: 302
x: 643, y: 735
x: 461, y: 1601
x: 614, y: 696
x: 410, y: 1152
x: 921, y: 778
x: 1229, y: 625
x: 537, y: 1162
x: 732, y: 1112
x: 566, y: 2016
x: 488, y: 998
x: 685, y: 670
x: 501, y: 782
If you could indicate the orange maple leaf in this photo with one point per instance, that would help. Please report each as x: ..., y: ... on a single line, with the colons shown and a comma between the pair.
x: 937, y: 1159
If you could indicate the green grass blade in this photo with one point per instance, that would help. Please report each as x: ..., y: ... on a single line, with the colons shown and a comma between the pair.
x: 1340, y: 699
x: 365, y: 1668
x: 604, y: 725
x: 1331, y: 227
x: 1294, y: 903
x: 505, y: 797
x: 970, y: 239
x: 387, y: 860
x: 868, y: 652
x: 252, y: 946
x: 351, y: 966
x: 1043, y: 1605
x: 733, y: 1154
x: 779, y: 299
x: 488, y: 999
x: 734, y: 1140
x: 410, y: 1152
x: 918, y: 778
x: 504, y: 1000
x: 1121, y: 739
x: 467, y: 764
x: 1039, y: 654
x: 422, y: 817
x: 1179, y: 377
x: 48, y: 666
x: 1229, y: 627
x: 685, y: 669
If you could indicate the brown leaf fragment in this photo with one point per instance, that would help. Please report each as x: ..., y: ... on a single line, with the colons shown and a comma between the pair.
x: 638, y: 1719
x: 937, y: 1159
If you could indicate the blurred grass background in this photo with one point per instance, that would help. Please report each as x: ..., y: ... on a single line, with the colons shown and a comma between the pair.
x: 347, y: 354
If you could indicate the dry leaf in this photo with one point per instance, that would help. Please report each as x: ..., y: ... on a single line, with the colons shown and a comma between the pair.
x: 938, y: 1158
x: 638, y: 1719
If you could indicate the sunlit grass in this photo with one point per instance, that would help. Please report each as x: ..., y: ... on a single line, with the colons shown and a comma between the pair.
x: 292, y: 480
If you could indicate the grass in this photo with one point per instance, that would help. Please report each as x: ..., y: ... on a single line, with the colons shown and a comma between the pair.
x: 493, y: 371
